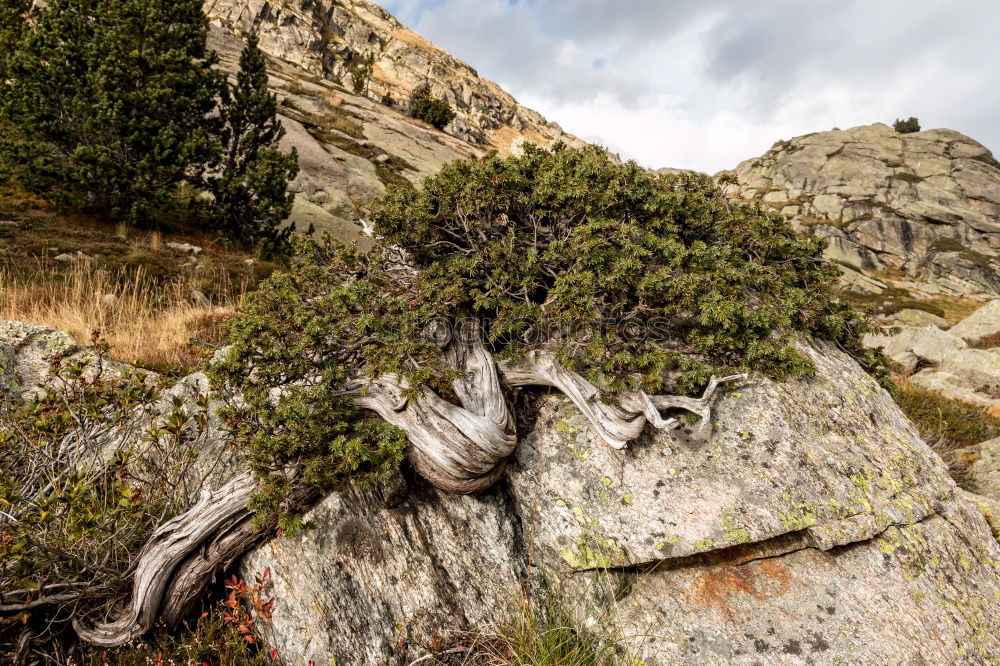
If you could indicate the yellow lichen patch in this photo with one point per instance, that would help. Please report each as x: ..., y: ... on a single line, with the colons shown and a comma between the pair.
x: 734, y: 535
x: 800, y: 516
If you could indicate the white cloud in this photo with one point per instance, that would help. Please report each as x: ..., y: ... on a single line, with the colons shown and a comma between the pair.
x: 706, y: 83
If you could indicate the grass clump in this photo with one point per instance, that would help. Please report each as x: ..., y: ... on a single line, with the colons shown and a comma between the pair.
x: 948, y: 426
x: 953, y: 423
x: 547, y: 636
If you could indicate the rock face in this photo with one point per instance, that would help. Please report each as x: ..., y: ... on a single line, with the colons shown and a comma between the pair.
x: 350, y: 147
x: 334, y: 39
x: 807, y: 523
x: 923, y: 205
x: 373, y: 585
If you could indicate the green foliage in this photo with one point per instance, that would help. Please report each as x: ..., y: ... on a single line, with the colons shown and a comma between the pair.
x: 363, y: 76
x: 636, y: 279
x: 433, y: 110
x: 907, y: 126
x: 113, y: 98
x: 13, y: 20
x: 290, y: 348
x: 251, y: 197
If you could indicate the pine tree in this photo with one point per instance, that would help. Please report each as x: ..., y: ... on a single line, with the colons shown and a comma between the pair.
x: 434, y: 110
x: 13, y: 20
x: 251, y: 188
x: 114, y: 98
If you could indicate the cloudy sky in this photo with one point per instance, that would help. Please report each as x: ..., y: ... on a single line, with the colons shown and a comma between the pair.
x: 704, y: 84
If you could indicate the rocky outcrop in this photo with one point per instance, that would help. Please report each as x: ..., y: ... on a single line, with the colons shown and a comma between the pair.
x: 919, y: 211
x: 806, y: 522
x: 949, y: 361
x: 336, y: 39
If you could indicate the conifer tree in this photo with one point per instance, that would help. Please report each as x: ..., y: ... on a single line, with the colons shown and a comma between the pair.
x: 13, y: 20
x: 251, y: 187
x: 114, y: 99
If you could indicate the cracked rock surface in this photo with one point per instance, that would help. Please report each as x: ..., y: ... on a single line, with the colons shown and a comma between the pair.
x: 808, y: 524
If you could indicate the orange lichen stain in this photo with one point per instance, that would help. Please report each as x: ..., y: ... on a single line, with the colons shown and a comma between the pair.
x: 723, y: 587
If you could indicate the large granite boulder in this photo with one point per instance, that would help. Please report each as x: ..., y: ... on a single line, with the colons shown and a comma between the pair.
x: 924, y: 204
x: 369, y: 584
x: 807, y: 523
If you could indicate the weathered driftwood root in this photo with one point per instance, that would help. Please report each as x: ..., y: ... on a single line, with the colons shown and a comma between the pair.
x: 616, y: 423
x: 171, y: 544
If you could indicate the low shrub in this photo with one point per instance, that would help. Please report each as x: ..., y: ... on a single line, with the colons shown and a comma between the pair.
x: 907, y: 126
x: 87, y: 473
x: 433, y: 110
x: 224, y: 635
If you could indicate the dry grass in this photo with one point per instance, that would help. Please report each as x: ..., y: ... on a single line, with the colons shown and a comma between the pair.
x: 950, y: 427
x: 987, y: 342
x: 147, y: 321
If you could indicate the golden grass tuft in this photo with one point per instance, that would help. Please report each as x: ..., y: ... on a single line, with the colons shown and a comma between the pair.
x: 146, y: 321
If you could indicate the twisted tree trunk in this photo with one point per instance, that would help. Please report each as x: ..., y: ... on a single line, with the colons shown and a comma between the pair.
x: 171, y: 544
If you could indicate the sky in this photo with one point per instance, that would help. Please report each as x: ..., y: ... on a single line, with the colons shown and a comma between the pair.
x: 705, y: 84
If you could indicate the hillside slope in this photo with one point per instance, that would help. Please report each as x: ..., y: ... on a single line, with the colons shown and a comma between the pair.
x: 352, y: 145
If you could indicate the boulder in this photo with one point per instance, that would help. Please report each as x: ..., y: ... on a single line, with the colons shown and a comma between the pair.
x: 979, y: 369
x: 26, y: 354
x: 953, y: 387
x: 984, y: 473
x: 983, y: 323
x: 806, y: 523
x: 928, y: 344
x: 369, y: 585
x: 911, y: 317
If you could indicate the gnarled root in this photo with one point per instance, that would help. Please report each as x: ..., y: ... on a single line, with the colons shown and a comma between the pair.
x: 171, y: 544
x: 618, y: 423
